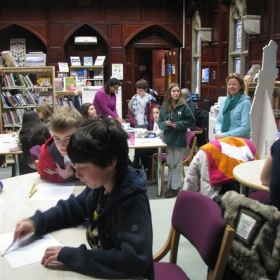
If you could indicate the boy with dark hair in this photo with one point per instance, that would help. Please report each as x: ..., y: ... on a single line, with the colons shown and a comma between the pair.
x: 114, y: 204
x: 54, y: 164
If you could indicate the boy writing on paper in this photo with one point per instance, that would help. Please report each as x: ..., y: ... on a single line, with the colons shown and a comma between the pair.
x: 114, y: 204
x: 54, y: 164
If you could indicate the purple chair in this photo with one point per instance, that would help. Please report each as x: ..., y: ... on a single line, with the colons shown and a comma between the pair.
x: 199, y: 219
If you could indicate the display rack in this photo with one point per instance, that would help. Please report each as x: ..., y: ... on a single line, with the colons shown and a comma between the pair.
x: 93, y: 75
x: 23, y: 88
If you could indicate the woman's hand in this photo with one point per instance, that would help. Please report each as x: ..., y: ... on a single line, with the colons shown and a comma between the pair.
x: 120, y: 120
x: 50, y: 257
x: 218, y: 136
x: 168, y: 123
x: 24, y: 228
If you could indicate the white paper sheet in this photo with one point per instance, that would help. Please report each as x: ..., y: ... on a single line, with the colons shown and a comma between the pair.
x: 27, y: 254
x: 51, y: 191
x: 2, y: 201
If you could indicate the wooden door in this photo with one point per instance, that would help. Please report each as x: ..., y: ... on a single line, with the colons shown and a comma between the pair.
x: 158, y: 72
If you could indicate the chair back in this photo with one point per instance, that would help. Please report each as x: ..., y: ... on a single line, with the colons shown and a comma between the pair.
x: 200, y: 220
x: 255, y: 251
x: 35, y: 152
x: 191, y: 143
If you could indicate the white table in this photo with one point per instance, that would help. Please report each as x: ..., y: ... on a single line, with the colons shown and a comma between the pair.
x: 144, y: 143
x: 5, y: 140
x: 248, y: 175
x: 18, y: 206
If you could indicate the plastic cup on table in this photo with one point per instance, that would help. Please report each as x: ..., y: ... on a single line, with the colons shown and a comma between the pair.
x: 131, y: 137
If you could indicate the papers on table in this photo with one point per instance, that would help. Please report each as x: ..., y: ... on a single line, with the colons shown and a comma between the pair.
x: 2, y: 201
x: 51, y: 191
x: 23, y: 252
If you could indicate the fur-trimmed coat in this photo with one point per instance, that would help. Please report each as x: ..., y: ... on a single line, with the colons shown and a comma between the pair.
x: 256, y: 256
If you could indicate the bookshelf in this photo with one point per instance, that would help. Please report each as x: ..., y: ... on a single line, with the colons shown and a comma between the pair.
x: 23, y: 88
x: 93, y: 75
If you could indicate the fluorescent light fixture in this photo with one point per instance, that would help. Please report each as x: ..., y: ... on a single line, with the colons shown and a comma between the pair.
x: 85, y: 40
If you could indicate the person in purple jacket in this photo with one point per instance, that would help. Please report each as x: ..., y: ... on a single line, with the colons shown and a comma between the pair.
x: 105, y: 100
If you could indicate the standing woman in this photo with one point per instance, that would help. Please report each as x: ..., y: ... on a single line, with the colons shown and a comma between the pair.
x: 233, y: 118
x: 105, y: 100
x: 174, y: 119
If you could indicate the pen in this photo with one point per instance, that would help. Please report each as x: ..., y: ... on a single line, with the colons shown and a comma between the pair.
x: 1, y: 186
x: 32, y: 188
x: 9, y: 247
x: 32, y: 193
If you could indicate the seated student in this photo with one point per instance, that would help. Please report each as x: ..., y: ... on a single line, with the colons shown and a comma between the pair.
x: 146, y: 154
x: 44, y: 111
x: 33, y: 132
x: 114, y: 204
x: 88, y: 111
x: 54, y: 164
x: 210, y: 171
x: 270, y: 174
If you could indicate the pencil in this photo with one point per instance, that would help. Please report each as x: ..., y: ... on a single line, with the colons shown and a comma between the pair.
x: 32, y: 188
x: 32, y: 193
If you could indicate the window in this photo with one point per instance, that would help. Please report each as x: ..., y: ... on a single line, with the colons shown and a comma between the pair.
x: 195, y: 87
x: 237, y: 38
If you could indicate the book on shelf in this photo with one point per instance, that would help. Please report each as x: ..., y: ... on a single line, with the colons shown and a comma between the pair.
x: 69, y: 83
x: 9, y: 59
x: 99, y: 61
x: 252, y: 73
x: 44, y: 82
x: 58, y: 83
x: 75, y: 61
x: 12, y: 100
x: 63, y: 67
x: 88, y: 61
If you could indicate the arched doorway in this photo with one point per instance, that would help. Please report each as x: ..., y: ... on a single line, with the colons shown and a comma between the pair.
x: 147, y: 51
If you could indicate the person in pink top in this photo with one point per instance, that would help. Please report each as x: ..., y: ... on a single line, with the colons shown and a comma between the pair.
x: 105, y: 100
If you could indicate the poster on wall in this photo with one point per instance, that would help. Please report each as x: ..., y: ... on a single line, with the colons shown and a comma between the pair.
x: 18, y: 50
x: 117, y: 71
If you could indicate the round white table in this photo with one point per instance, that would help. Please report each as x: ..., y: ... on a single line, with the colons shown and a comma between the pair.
x: 248, y: 175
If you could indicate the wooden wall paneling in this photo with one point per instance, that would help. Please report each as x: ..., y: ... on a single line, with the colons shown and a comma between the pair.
x: 54, y: 56
x: 276, y: 19
x: 153, y: 11
x: 93, y: 12
x: 133, y: 10
x: 116, y: 35
x: 56, y: 35
x: 17, y: 10
x: 113, y: 10
x: 171, y: 10
x: 158, y: 56
x: 58, y: 10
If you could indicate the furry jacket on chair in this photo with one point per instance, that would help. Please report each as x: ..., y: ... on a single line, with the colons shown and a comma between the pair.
x: 255, y: 252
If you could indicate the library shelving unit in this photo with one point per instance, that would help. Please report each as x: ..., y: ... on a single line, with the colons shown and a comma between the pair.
x: 93, y: 74
x: 23, y: 88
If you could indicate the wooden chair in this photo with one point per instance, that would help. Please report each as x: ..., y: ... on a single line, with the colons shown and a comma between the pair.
x: 191, y: 143
x: 199, y: 219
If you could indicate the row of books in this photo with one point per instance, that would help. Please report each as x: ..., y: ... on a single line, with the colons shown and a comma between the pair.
x: 64, y: 101
x: 16, y: 80
x: 12, y: 117
x: 17, y: 99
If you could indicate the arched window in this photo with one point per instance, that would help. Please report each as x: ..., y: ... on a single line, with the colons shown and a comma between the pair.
x: 196, y: 55
x: 238, y: 50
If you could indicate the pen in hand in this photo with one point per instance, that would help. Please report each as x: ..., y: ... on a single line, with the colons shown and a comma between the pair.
x: 1, y: 186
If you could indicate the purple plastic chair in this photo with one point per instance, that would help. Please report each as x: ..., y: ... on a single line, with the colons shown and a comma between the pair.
x: 199, y: 219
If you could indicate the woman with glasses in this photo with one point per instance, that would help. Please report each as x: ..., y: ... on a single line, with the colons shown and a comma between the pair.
x: 233, y: 118
x: 105, y: 100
